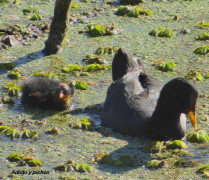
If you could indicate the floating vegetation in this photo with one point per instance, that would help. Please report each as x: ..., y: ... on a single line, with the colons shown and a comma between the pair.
x: 27, y: 133
x: 14, y: 133
x: 183, y: 163
x: 154, y: 147
x: 204, y: 170
x: 12, y: 89
x: 131, y: 2
x: 133, y: 11
x: 202, y: 24
x: 53, y: 130
x: 198, y: 137
x: 75, y: 6
x: 203, y: 36
x: 32, y: 13
x: 45, y: 74
x: 166, y: 66
x: 72, y: 68
x: 82, y: 85
x: 202, y: 50
x: 106, y: 50
x: 96, y: 30
x: 94, y: 67
x: 72, y: 166
x: 155, y: 164
x: 30, y: 10
x: 82, y: 124
x: 93, y: 59
x: 14, y: 157
x: 14, y: 74
x: 194, y: 75
x: 7, y: 100
x: 122, y: 161
x: 31, y: 162
x: 35, y: 17
x: 161, y: 32
x: 177, y: 144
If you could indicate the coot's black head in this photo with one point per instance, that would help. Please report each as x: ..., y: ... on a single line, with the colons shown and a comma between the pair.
x: 182, y: 94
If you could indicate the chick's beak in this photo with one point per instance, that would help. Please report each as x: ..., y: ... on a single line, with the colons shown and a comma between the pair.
x: 192, y: 118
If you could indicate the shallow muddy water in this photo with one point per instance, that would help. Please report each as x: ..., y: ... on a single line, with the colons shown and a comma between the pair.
x: 82, y: 145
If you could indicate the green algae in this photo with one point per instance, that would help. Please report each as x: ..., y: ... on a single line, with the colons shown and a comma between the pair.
x: 72, y: 166
x: 135, y: 39
x: 12, y: 89
x: 106, y: 50
x: 14, y: 74
x: 154, y: 164
x: 93, y: 59
x: 161, y: 32
x: 198, y: 137
x: 82, y: 124
x: 177, y: 144
x: 202, y: 50
x: 166, y: 66
x: 133, y: 11
x: 203, y: 36
x: 203, y: 170
x: 194, y: 75
x: 96, y: 30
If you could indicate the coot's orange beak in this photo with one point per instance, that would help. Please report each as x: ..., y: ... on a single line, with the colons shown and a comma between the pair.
x: 192, y: 118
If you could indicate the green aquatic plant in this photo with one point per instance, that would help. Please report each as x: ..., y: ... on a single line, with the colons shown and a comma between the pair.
x: 45, y: 74
x: 12, y: 89
x: 106, y: 50
x: 96, y: 30
x: 131, y: 2
x: 203, y: 36
x: 161, y: 32
x: 203, y: 24
x: 53, y: 130
x: 93, y: 67
x: 82, y: 85
x: 14, y: 74
x: 204, y: 170
x: 75, y: 6
x: 82, y: 124
x: 177, y: 144
x: 198, y: 137
x: 31, y: 162
x: 154, y: 164
x: 30, y: 10
x: 7, y: 100
x: 14, y: 157
x: 73, y: 166
x: 202, y: 50
x: 27, y: 133
x: 35, y: 17
x: 132, y: 11
x: 93, y: 59
x: 154, y: 147
x: 194, y: 75
x: 167, y: 66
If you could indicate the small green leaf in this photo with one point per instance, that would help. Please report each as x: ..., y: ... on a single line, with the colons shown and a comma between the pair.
x: 177, y: 144
x: 83, y: 168
x: 14, y: 157
x: 33, y: 162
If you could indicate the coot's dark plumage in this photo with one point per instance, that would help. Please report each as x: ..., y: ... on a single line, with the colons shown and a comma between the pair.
x: 136, y: 104
x: 46, y: 93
